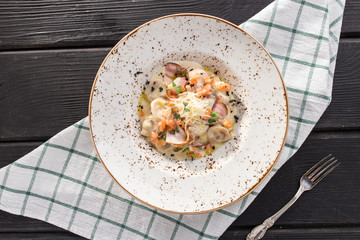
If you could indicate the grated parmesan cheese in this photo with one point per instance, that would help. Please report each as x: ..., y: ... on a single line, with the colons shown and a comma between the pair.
x: 197, y: 107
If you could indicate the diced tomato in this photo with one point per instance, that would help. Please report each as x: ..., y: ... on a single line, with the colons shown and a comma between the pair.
x: 154, y: 136
x: 170, y: 123
x: 227, y: 124
x: 170, y: 103
x: 161, y: 125
x: 161, y: 143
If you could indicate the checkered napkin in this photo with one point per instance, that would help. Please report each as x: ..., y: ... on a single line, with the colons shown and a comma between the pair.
x: 62, y: 181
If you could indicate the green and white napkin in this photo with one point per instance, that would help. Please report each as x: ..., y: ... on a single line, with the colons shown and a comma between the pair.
x: 62, y: 181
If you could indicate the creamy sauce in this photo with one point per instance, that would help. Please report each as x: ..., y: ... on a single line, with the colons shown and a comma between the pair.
x: 186, y: 109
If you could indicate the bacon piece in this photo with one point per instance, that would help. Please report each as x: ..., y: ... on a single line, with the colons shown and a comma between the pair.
x: 220, y: 108
x: 180, y: 137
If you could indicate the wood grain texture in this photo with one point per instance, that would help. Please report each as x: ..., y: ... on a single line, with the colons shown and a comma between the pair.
x: 40, y: 236
x: 335, y: 203
x: 43, y: 92
x: 299, y: 234
x: 344, y: 110
x: 281, y: 234
x: 52, y: 23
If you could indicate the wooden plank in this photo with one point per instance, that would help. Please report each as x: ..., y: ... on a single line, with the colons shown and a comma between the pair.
x: 336, y: 200
x: 14, y: 223
x: 10, y: 152
x: 33, y: 24
x: 300, y: 234
x: 50, y: 23
x: 42, y: 92
x: 344, y: 110
x: 332, y: 202
x: 41, y: 236
x: 307, y: 233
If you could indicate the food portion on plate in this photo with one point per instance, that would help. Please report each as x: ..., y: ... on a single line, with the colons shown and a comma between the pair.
x: 187, y: 111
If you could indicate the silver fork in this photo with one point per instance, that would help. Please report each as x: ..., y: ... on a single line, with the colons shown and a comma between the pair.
x: 312, y: 177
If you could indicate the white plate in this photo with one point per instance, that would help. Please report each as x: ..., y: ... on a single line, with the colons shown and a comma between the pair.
x: 229, y: 173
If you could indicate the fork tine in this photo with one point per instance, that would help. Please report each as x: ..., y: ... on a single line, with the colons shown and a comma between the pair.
x: 324, y: 168
x: 320, y: 167
x: 316, y: 165
x: 325, y: 174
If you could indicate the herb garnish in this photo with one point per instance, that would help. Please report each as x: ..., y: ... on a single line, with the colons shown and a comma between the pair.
x: 186, y: 150
x: 178, y: 88
x: 186, y: 109
x: 212, y: 120
x: 214, y: 114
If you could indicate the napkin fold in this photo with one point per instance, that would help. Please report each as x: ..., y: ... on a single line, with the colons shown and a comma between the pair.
x: 62, y: 181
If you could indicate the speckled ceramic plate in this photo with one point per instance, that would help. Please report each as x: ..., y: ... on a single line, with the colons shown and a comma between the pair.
x: 229, y: 173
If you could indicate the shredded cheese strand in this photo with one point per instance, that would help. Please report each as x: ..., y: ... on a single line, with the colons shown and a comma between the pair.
x: 196, y: 106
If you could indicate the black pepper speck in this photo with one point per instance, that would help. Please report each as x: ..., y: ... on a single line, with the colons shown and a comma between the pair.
x: 236, y: 118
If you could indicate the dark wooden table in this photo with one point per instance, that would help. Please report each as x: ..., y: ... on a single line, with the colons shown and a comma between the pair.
x: 50, y: 51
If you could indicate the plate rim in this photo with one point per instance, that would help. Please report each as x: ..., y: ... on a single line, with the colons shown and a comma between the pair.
x: 182, y: 15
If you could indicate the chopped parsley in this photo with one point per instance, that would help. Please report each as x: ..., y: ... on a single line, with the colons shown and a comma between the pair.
x: 185, y: 104
x: 186, y: 150
x: 193, y: 156
x: 177, y: 129
x: 212, y: 120
x: 177, y: 116
x: 178, y: 88
x: 186, y: 109
x: 161, y: 136
x: 172, y: 132
x: 231, y: 101
x: 184, y: 74
x: 215, y: 114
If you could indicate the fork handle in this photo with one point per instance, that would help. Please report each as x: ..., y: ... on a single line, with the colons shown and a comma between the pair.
x: 259, y: 231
